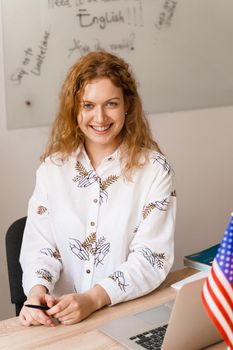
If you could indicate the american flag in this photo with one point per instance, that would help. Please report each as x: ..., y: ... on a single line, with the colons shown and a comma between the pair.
x: 217, y: 293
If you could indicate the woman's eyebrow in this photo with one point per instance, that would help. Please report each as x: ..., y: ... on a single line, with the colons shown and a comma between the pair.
x: 109, y: 99
x: 113, y: 98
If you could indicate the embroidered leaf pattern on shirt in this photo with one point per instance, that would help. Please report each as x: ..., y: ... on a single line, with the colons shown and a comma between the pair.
x: 147, y: 210
x: 98, y: 249
x: 80, y: 168
x: 119, y: 278
x: 157, y: 157
x: 155, y: 259
x: 78, y: 249
x: 84, y: 178
x: 160, y: 205
x: 90, y: 243
x: 52, y: 253
x: 104, y: 184
x: 45, y: 274
x: 41, y: 210
x: 108, y: 182
x: 159, y: 259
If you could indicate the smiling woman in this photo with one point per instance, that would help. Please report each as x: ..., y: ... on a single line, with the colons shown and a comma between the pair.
x: 67, y: 135
x: 105, y: 234
x: 101, y: 118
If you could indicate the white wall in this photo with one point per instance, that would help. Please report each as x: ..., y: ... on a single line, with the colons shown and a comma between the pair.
x: 199, y: 145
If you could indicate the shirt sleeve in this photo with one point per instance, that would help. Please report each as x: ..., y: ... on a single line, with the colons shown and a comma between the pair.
x: 39, y: 257
x: 151, y: 251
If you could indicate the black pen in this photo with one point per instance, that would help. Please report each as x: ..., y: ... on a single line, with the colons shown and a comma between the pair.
x: 40, y: 307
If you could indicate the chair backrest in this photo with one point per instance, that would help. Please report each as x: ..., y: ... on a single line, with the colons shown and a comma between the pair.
x: 13, y: 242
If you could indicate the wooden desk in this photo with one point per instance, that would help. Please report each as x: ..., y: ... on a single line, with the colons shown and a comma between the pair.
x: 85, y: 335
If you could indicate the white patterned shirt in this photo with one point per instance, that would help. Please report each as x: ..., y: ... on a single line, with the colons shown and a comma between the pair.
x: 88, y: 227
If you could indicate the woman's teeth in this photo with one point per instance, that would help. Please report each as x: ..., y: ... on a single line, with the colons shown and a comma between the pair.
x: 101, y: 128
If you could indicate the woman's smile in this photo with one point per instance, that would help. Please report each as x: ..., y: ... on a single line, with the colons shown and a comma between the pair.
x: 101, y: 129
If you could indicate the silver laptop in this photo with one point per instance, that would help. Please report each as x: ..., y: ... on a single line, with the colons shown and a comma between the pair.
x: 182, y: 324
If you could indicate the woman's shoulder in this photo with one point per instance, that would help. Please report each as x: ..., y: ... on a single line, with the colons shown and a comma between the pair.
x: 155, y: 161
x: 56, y: 161
x: 160, y: 161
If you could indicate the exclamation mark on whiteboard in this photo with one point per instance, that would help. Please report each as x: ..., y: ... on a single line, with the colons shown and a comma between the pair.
x: 134, y: 16
x: 141, y: 14
x: 128, y: 15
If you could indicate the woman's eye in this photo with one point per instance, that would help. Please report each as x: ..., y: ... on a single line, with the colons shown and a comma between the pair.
x: 112, y: 104
x: 87, y: 106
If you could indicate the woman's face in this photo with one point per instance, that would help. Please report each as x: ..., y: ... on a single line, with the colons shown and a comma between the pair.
x: 102, y: 113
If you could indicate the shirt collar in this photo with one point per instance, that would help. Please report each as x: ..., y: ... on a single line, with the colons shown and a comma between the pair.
x: 81, y: 153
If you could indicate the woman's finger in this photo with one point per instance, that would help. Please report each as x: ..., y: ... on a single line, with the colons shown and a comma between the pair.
x: 27, y: 320
x: 32, y: 317
x: 49, y: 300
x: 61, y: 308
x: 68, y: 321
x: 44, y: 319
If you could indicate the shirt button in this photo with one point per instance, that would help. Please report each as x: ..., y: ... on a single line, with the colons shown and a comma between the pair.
x: 95, y: 200
x: 88, y: 271
x: 92, y: 223
x: 110, y: 158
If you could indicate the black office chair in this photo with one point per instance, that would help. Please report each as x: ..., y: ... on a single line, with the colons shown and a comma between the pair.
x: 13, y: 242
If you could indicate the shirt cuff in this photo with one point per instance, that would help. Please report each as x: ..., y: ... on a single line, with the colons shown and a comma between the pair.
x: 33, y: 281
x: 116, y: 294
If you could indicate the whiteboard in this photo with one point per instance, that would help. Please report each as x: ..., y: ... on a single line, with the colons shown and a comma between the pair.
x: 180, y: 50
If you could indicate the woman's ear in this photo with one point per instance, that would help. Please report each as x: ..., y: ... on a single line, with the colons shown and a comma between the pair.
x: 126, y: 104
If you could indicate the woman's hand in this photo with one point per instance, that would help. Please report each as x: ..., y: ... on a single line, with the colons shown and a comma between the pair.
x: 29, y: 316
x: 73, y: 308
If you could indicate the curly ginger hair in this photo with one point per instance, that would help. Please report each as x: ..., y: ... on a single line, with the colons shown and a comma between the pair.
x: 66, y: 136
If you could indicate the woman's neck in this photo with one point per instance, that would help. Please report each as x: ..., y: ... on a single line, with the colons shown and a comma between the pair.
x: 97, y: 153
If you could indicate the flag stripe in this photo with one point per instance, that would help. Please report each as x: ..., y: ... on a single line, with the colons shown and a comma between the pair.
x: 217, y: 324
x: 218, y: 288
x: 216, y: 311
x: 216, y: 317
x: 226, y: 301
x: 219, y: 304
x: 226, y: 289
x: 220, y: 296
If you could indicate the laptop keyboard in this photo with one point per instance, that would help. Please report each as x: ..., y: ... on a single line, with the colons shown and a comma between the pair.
x: 151, y: 340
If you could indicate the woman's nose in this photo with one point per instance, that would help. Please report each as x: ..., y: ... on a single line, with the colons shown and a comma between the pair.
x: 99, y: 114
